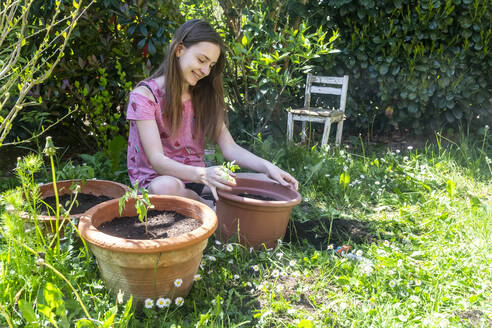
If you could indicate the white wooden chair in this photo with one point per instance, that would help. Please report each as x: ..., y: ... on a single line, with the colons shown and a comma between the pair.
x: 326, y: 85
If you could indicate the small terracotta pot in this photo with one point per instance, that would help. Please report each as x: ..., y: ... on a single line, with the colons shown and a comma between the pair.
x: 148, y: 268
x: 258, y: 222
x: 106, y: 188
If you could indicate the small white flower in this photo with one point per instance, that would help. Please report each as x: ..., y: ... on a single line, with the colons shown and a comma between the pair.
x: 292, y: 169
x: 305, y: 167
x: 345, y: 168
x: 161, y: 302
x: 149, y: 303
x: 291, y: 311
x: 376, y: 183
x: 405, y: 158
x: 251, y: 249
x: 409, y: 147
x: 292, y: 262
x: 236, y: 277
x: 283, y: 274
x: 275, y: 273
x: 279, y: 242
x: 211, y: 258
x: 280, y: 288
x: 218, y: 242
x: 255, y: 268
x: 179, y: 301
x: 399, y: 263
x: 178, y: 282
x: 229, y: 247
x: 342, y: 152
x: 295, y: 275
x: 392, y: 283
x: 197, y: 277
x: 330, y: 246
x: 391, y: 272
x: 397, y: 151
x: 386, y: 243
x: 362, y: 176
x: 359, y: 253
x: 231, y: 261
x: 418, y: 282
x: 248, y: 284
x: 279, y: 255
x: 327, y: 175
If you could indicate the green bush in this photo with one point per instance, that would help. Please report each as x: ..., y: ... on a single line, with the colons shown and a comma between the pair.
x: 414, y: 65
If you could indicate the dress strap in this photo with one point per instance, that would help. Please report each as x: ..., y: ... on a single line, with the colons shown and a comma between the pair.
x: 143, y: 83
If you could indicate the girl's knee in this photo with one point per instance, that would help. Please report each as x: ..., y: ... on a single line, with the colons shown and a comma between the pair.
x: 167, y: 185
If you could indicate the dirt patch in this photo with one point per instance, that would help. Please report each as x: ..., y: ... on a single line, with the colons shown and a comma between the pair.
x: 161, y: 224
x: 317, y: 232
x: 82, y: 204
x: 475, y: 318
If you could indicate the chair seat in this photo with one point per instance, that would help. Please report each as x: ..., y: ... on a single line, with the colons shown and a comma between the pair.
x: 317, y: 112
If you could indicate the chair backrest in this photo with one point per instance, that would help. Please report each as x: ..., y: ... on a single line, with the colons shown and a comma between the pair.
x: 328, y: 85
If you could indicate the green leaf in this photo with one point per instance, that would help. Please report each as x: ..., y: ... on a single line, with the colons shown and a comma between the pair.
x: 305, y: 323
x: 383, y: 69
x: 244, y: 40
x: 450, y: 188
x: 344, y: 179
x: 27, y: 312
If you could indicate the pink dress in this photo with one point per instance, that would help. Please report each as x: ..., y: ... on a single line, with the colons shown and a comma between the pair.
x: 184, y: 148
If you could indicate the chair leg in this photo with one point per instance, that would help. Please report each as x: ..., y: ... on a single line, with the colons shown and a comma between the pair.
x: 290, y: 127
x: 326, y: 132
x: 303, y: 133
x: 338, y: 139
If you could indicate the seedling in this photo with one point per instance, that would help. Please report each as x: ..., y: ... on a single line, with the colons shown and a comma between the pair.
x: 142, y: 203
x: 229, y: 167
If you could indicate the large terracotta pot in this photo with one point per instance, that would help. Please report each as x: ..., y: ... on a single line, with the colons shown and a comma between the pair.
x: 258, y: 222
x: 106, y: 188
x: 148, y: 268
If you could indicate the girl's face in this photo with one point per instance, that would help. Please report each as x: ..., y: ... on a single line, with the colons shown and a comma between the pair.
x: 197, y: 61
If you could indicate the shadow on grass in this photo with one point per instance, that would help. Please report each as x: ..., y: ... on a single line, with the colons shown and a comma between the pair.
x: 318, y: 234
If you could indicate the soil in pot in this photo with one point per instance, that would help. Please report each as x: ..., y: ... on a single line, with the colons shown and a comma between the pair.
x: 256, y: 196
x: 83, y: 203
x: 161, y: 225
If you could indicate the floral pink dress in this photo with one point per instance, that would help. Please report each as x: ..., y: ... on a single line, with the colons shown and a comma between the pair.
x: 184, y: 148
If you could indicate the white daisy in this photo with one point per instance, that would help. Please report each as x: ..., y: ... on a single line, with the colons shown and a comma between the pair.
x: 359, y: 253
x: 179, y: 301
x: 197, y: 277
x: 149, y: 303
x: 178, y: 282
x: 392, y: 283
x: 292, y: 262
x: 275, y: 273
x: 229, y: 247
x: 255, y: 268
x: 163, y: 302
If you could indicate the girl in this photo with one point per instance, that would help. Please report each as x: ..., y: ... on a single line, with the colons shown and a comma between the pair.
x: 172, y: 113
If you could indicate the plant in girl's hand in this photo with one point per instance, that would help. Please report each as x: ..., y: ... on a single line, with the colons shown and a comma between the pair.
x: 142, y: 203
x: 229, y: 167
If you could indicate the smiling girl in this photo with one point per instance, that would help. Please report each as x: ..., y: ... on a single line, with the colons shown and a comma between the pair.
x: 175, y: 110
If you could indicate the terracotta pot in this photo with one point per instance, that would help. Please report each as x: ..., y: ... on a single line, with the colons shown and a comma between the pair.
x: 258, y: 222
x: 106, y: 188
x: 148, y: 268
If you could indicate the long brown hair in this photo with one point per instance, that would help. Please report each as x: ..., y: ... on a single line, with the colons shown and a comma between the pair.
x: 207, y: 95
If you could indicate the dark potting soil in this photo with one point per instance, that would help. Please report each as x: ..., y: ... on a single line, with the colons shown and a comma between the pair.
x: 161, y: 224
x: 82, y: 204
x: 255, y: 196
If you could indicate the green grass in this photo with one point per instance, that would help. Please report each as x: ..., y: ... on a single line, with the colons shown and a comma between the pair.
x: 420, y: 217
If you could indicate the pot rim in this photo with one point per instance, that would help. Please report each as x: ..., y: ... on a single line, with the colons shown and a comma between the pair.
x: 100, y: 239
x: 52, y: 218
x: 257, y: 202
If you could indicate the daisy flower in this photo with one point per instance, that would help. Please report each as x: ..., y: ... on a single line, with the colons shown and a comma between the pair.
x: 218, y: 243
x: 292, y: 262
x: 392, y: 283
x: 179, y: 301
x: 163, y: 302
x: 418, y: 282
x: 251, y: 249
x: 211, y: 258
x: 359, y: 253
x: 229, y: 247
x: 295, y: 275
x: 236, y: 277
x: 275, y: 273
x: 279, y: 255
x: 399, y: 263
x: 283, y: 274
x: 178, y: 282
x: 197, y: 277
x: 330, y: 246
x: 255, y: 268
x: 386, y: 243
x: 149, y: 303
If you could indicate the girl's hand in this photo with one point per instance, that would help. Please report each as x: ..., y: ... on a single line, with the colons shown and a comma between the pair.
x: 218, y: 177
x: 284, y: 178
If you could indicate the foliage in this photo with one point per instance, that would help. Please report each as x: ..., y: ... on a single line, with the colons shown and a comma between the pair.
x: 417, y: 66
x: 115, y: 45
x: 32, y: 47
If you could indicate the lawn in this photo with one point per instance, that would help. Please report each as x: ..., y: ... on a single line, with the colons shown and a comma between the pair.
x: 417, y: 220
